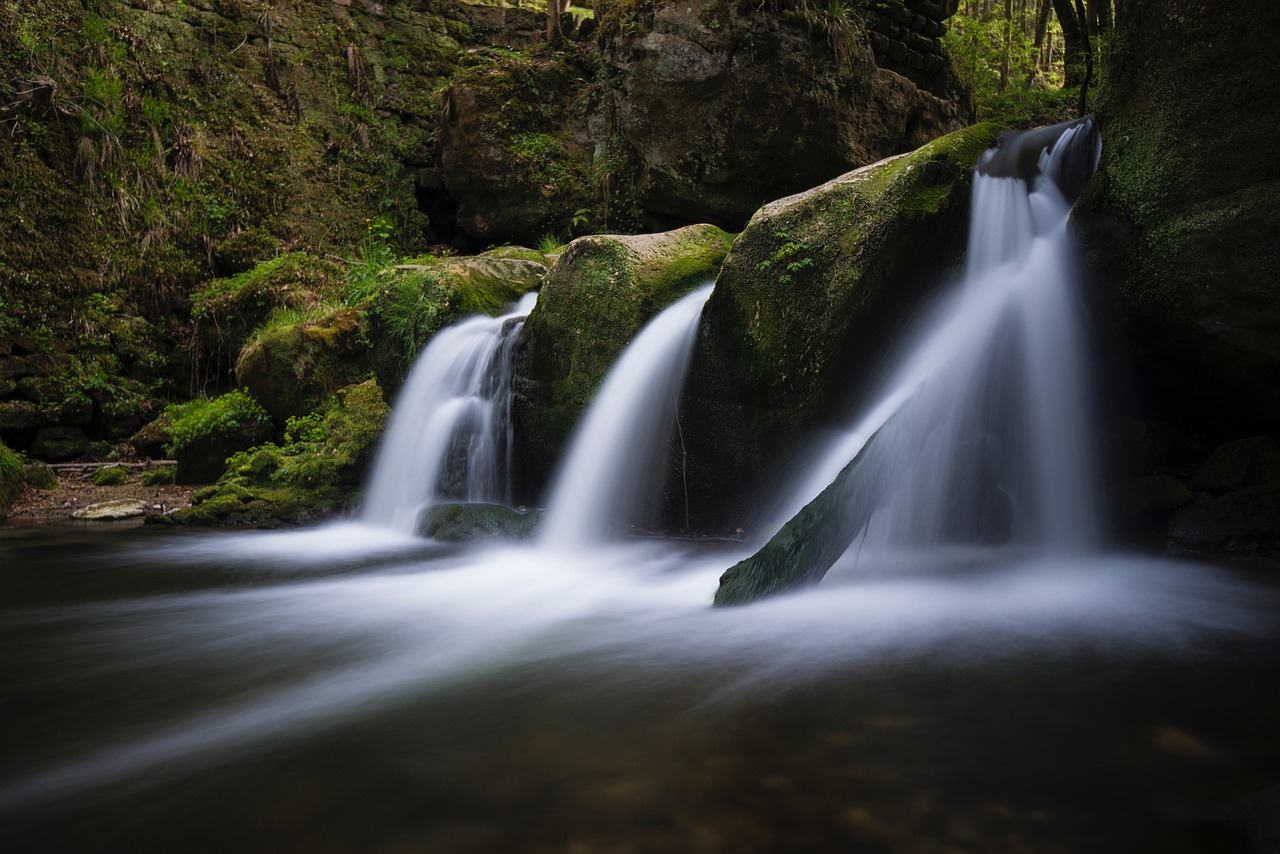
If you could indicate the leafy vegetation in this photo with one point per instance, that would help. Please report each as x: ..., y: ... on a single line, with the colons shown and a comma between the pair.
x: 11, y: 478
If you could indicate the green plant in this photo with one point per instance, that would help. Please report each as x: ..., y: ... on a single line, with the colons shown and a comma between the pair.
x: 110, y: 476
x: 549, y: 244
x: 232, y: 413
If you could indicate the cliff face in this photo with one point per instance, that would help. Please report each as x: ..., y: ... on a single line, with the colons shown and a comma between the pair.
x: 1180, y: 220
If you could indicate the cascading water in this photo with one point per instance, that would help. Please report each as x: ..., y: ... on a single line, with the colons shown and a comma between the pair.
x: 984, y: 425
x: 450, y: 436
x: 618, y: 452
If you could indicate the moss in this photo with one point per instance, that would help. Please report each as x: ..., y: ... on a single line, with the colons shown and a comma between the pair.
x: 203, y: 433
x: 40, y: 475
x: 808, y: 297
x: 159, y: 476
x: 110, y: 476
x: 599, y: 294
x: 12, y: 477
x: 417, y: 299
x: 316, y: 472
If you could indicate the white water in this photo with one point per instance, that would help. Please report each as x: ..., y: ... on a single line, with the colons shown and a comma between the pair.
x: 618, y: 453
x: 295, y: 657
x: 454, y: 408
x: 987, y: 413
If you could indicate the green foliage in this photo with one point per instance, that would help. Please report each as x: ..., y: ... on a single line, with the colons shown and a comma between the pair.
x: 326, y: 450
x: 110, y: 476
x: 159, y: 476
x: 1029, y: 95
x: 233, y: 413
x: 11, y: 478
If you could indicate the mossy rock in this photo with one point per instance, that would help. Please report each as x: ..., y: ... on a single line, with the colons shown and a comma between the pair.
x: 12, y: 476
x: 1179, y: 221
x: 159, y: 476
x: 228, y: 310
x: 466, y: 523
x: 40, y: 475
x: 1240, y: 463
x: 598, y: 295
x: 204, y: 433
x: 315, y: 474
x: 414, y: 301
x: 293, y: 369
x: 110, y: 476
x: 807, y: 302
x: 59, y: 443
x: 1142, y: 506
x: 243, y: 250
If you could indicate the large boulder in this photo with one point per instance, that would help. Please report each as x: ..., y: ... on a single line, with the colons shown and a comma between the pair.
x: 292, y: 369
x: 465, y: 523
x: 1180, y: 220
x: 599, y: 294
x: 808, y: 297
x: 204, y: 433
x: 719, y: 108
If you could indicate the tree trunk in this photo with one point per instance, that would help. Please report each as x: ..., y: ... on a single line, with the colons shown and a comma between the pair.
x: 555, y: 35
x: 1008, y: 44
x: 1076, y: 42
x: 1088, y: 59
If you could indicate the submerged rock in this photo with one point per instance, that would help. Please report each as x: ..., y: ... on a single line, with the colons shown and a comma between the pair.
x: 599, y: 294
x: 110, y: 511
x: 809, y: 296
x: 465, y: 523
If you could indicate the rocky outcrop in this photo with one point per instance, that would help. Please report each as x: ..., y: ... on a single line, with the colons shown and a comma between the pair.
x: 719, y: 110
x: 1180, y: 219
x: 599, y: 294
x: 513, y: 153
x: 1237, y: 507
x: 808, y: 296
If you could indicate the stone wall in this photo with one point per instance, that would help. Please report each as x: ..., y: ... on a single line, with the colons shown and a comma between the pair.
x: 906, y: 38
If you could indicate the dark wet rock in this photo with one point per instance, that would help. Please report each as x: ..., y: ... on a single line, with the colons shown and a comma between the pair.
x: 720, y: 108
x: 1241, y: 463
x: 1180, y: 219
x: 1245, y: 521
x: 465, y: 523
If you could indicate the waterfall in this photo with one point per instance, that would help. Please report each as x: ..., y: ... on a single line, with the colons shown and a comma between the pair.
x: 617, y: 455
x: 986, y: 415
x: 450, y: 434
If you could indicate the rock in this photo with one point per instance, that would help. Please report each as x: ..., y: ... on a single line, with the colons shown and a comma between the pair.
x: 1180, y: 220
x: 108, y: 511
x: 465, y: 523
x: 1246, y: 521
x: 228, y: 310
x: 1148, y: 499
x: 204, y: 433
x: 1244, y: 462
x: 59, y: 443
x: 11, y: 478
x: 40, y: 475
x: 712, y: 137
x: 800, y: 554
x: 513, y: 152
x: 292, y: 369
x: 243, y: 250
x: 110, y: 476
x: 599, y: 294
x: 20, y: 415
x: 807, y: 301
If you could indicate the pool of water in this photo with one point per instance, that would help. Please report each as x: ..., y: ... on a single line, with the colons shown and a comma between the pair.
x: 348, y: 690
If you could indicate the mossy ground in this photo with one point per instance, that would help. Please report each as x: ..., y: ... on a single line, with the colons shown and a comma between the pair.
x: 12, y: 477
